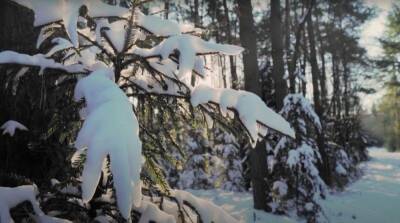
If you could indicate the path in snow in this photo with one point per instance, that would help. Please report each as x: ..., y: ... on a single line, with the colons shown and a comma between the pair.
x: 373, y: 198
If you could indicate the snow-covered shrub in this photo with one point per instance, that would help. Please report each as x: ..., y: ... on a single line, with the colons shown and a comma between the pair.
x: 346, y: 149
x: 228, y: 151
x: 294, y: 180
x: 196, y: 168
x: 213, y: 161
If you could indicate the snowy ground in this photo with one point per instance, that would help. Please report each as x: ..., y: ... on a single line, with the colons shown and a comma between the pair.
x: 373, y: 198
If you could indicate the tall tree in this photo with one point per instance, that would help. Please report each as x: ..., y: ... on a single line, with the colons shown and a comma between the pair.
x: 258, y: 161
x: 278, y: 69
x: 249, y: 42
x: 229, y: 37
x: 324, y: 166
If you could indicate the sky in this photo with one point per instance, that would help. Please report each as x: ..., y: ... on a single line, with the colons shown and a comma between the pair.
x: 374, y: 28
x: 371, y: 31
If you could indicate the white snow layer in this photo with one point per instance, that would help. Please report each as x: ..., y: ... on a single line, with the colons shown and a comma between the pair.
x: 280, y: 187
x: 110, y: 128
x: 39, y: 60
x: 151, y: 213
x: 60, y: 44
x: 11, y: 197
x: 373, y: 198
x: 208, y: 211
x: 251, y: 109
x: 240, y: 206
x: 10, y: 126
x: 68, y: 11
x: 116, y: 34
x: 340, y: 169
x: 188, y: 46
x: 45, y: 33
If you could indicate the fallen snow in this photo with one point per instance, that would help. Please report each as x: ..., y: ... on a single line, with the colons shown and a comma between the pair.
x: 10, y: 126
x: 240, y: 206
x: 373, y: 198
x: 208, y: 211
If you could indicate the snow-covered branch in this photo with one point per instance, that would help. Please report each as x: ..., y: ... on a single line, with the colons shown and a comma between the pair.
x: 38, y: 60
x: 11, y: 197
x: 251, y: 109
x: 188, y: 46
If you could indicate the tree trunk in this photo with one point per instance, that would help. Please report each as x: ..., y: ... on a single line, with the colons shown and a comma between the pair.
x: 166, y: 9
x: 314, y: 67
x: 324, y: 167
x: 278, y: 69
x: 249, y: 42
x: 258, y: 156
x: 196, y: 23
x: 234, y: 77
x: 259, y: 173
x: 322, y: 80
x: 292, y: 78
x: 296, y: 53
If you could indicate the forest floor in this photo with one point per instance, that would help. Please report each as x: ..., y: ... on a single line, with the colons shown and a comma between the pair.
x: 375, y: 197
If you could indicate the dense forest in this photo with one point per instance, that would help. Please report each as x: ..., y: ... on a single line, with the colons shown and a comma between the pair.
x: 114, y: 110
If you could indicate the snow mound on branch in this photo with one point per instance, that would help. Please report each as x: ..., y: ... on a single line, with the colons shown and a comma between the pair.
x: 145, y: 82
x: 253, y: 112
x: 67, y: 11
x: 45, y: 33
x: 116, y: 33
x: 38, y: 60
x: 280, y: 187
x: 10, y: 126
x: 208, y: 211
x: 60, y: 44
x: 110, y: 128
x: 70, y: 14
x: 52, y: 11
x: 305, y: 156
x: 11, y: 197
x: 188, y: 46
x: 340, y: 169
